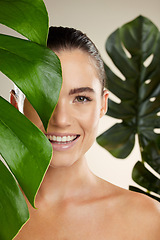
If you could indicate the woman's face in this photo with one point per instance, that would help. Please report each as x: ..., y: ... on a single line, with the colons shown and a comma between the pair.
x: 73, y: 126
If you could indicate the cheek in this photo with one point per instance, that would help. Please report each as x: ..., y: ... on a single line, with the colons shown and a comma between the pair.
x: 89, y: 125
x: 89, y: 119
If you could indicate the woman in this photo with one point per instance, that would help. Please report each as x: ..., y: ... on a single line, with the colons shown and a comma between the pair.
x: 73, y: 203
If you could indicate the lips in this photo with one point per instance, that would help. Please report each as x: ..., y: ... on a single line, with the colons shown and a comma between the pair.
x: 62, y: 142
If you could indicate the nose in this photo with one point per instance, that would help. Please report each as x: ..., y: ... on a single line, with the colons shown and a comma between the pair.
x: 61, y: 116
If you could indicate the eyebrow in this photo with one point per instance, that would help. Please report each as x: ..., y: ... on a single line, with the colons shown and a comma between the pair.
x: 80, y: 90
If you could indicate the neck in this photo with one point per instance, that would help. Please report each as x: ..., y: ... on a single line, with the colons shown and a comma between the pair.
x: 66, y: 182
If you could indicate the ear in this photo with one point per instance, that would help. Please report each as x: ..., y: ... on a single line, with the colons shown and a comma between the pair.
x: 104, y: 103
x: 13, y: 99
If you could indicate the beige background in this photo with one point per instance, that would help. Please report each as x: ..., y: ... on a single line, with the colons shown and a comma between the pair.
x: 98, y: 19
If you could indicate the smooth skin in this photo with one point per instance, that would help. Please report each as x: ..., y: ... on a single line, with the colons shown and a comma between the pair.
x: 72, y: 203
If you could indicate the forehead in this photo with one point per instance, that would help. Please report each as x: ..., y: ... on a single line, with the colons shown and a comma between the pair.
x: 78, y: 69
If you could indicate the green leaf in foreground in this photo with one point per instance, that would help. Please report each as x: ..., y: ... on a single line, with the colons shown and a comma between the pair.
x: 24, y: 147
x: 13, y: 208
x: 28, y: 17
x: 35, y: 69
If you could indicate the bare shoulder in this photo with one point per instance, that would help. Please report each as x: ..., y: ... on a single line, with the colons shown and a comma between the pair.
x: 133, y: 200
x: 141, y: 203
x: 137, y: 214
x: 146, y: 212
x: 143, y: 214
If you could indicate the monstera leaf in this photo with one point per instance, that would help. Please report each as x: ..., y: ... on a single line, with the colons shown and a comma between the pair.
x: 24, y: 147
x: 29, y: 18
x: 27, y: 153
x: 36, y: 70
x: 135, y: 50
x: 130, y: 47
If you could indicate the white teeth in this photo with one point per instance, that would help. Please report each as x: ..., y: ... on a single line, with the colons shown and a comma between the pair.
x: 60, y: 139
x: 64, y: 139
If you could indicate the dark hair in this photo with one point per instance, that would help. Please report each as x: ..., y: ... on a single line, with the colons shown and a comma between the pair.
x: 64, y: 38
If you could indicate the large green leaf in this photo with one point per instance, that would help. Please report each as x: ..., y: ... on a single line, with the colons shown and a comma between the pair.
x: 24, y: 147
x: 13, y: 208
x: 35, y: 69
x: 139, y: 92
x: 27, y: 17
x: 135, y: 50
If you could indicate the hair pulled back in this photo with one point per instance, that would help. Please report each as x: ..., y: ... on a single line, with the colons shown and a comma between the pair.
x: 64, y: 38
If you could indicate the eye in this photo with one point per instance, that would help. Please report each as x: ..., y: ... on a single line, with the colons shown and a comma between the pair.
x: 82, y: 99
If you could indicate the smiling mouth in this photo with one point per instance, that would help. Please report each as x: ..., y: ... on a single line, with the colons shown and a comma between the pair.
x: 62, y: 139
